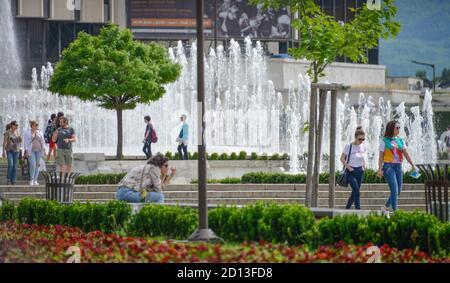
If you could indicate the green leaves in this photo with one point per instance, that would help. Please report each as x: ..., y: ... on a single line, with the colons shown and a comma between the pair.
x: 113, y: 70
x: 322, y: 39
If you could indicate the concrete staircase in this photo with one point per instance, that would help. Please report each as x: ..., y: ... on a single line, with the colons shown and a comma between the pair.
x: 22, y: 180
x: 373, y: 196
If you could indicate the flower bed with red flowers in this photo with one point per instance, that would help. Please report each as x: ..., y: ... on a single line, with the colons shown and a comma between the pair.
x: 37, y: 243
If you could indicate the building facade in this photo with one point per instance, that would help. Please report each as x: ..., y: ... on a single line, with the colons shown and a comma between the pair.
x: 45, y: 27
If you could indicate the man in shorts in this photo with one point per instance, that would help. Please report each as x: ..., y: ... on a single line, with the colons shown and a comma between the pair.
x: 64, y: 137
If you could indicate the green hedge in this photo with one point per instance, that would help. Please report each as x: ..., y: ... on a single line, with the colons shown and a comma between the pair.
x: 370, y: 176
x: 233, y: 156
x: 292, y: 224
x: 108, y: 217
x: 98, y: 179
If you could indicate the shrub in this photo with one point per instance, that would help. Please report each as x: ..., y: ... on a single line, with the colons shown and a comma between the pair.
x: 176, y: 156
x: 254, y: 156
x: 233, y: 156
x: 223, y: 156
x: 214, y: 156
x: 242, y: 155
x: 269, y: 222
x: 263, y: 157
x: 100, y: 179
x: 169, y: 221
x: 195, y: 156
x: 275, y: 156
x: 285, y: 156
x: 169, y: 155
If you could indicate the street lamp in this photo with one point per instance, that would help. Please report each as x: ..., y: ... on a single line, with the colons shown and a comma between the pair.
x: 434, y: 74
x: 203, y: 233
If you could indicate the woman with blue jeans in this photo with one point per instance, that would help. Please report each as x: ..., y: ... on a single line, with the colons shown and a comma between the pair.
x: 353, y: 158
x: 34, y: 148
x: 145, y: 183
x: 392, y: 149
x: 11, y: 146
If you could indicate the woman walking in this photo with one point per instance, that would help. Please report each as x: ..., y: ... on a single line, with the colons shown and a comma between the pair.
x: 34, y: 148
x: 353, y: 158
x: 151, y: 177
x: 11, y: 146
x: 392, y: 149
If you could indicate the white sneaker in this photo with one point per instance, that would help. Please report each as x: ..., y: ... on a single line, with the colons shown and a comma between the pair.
x: 385, y: 211
x: 31, y: 183
x: 36, y: 183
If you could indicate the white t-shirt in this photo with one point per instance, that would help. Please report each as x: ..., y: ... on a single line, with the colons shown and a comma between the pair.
x: 356, y: 156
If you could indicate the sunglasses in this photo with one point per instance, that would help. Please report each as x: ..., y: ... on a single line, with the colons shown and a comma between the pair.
x: 361, y: 139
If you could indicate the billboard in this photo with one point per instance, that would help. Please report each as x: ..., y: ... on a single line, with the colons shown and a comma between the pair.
x: 175, y: 19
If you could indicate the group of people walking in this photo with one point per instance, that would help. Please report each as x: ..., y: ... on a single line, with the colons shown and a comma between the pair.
x: 392, y: 151
x: 58, y: 135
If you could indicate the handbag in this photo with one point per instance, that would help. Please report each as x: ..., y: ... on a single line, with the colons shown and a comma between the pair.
x: 341, y: 177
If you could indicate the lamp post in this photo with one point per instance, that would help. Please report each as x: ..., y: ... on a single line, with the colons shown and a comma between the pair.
x: 203, y: 233
x: 434, y: 74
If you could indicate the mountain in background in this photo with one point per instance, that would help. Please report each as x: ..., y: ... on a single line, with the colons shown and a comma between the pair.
x: 425, y: 37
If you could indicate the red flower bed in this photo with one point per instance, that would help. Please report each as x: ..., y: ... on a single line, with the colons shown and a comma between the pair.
x: 33, y: 243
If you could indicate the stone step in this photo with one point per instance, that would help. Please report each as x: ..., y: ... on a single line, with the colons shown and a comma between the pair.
x: 224, y: 194
x: 252, y: 187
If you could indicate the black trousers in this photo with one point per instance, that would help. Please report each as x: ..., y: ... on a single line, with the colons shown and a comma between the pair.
x: 184, y: 148
x: 147, y: 149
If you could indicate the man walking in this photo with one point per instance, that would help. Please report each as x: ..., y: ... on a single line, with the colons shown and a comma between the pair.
x: 51, y: 127
x: 64, y: 137
x: 183, y: 138
x: 147, y: 149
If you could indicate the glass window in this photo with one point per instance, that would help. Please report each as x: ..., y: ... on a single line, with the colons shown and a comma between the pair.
x: 107, y: 11
x: 339, y: 10
x: 350, y: 14
x: 328, y: 7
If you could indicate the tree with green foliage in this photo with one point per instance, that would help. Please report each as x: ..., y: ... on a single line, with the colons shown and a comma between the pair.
x: 322, y: 40
x: 421, y: 74
x: 115, y: 71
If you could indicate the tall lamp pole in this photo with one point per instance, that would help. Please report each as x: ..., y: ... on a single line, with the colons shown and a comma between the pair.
x: 203, y: 233
x: 434, y: 74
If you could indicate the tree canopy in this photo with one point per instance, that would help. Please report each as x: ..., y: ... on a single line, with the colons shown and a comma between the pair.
x: 115, y: 71
x: 322, y: 39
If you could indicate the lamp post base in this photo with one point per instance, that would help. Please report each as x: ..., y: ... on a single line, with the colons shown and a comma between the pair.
x: 204, y: 235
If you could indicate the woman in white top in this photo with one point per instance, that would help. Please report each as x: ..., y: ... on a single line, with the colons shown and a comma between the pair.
x: 355, y: 166
x: 34, y: 148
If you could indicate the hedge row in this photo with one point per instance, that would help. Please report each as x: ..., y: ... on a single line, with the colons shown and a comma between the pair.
x: 233, y: 156
x: 100, y: 179
x: 291, y: 224
x: 370, y: 177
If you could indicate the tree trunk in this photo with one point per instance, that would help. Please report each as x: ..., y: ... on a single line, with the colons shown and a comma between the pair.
x: 318, y: 151
x: 119, y: 154
x: 332, y: 161
x: 311, y: 139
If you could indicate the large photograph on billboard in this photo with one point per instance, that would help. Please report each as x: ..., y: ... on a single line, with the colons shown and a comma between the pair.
x: 223, y: 19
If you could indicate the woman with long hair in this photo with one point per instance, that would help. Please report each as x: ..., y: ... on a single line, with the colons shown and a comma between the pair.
x: 34, y: 149
x: 353, y: 158
x: 145, y: 183
x: 392, y: 150
x: 11, y: 146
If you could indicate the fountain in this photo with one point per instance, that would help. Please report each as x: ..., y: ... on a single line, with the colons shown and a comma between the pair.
x: 10, y: 71
x: 244, y: 111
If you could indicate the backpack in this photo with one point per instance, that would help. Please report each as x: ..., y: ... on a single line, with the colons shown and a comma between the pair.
x: 154, y: 138
x: 48, y: 133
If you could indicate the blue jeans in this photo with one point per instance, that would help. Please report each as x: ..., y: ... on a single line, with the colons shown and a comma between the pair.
x: 354, y: 179
x: 130, y: 195
x: 13, y: 160
x: 394, y: 176
x: 35, y: 161
x: 184, y: 154
x: 147, y: 149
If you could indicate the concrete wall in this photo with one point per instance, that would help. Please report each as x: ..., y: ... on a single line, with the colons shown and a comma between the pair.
x: 92, y: 11
x: 356, y: 75
x: 31, y: 8
x: 59, y: 11
x: 118, y: 13
x: 93, y: 163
